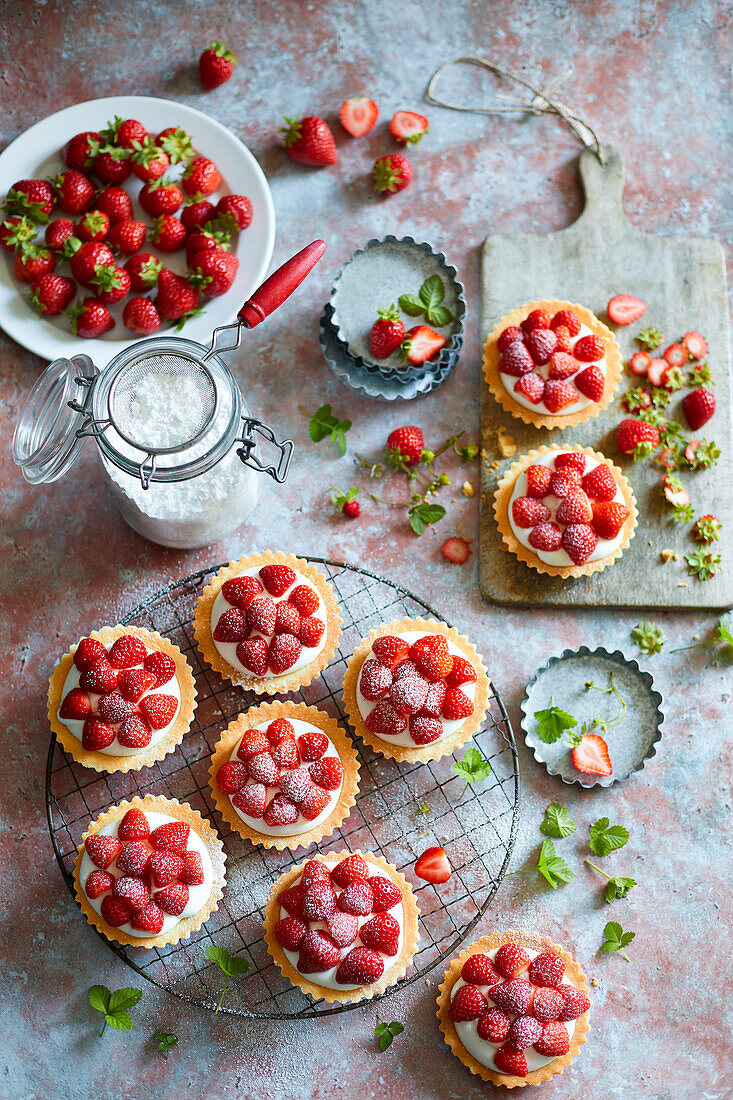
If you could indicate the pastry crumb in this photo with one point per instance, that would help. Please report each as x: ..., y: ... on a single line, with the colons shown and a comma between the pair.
x: 468, y: 489
x: 459, y: 528
x: 666, y: 555
x: 594, y: 981
x: 675, y: 557
x: 682, y: 584
x: 507, y: 446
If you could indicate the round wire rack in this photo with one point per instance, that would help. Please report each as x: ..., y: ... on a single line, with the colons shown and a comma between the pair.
x: 401, y: 809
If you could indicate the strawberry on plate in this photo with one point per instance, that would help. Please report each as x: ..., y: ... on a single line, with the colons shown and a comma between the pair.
x: 387, y: 333
x: 214, y: 272
x: 309, y: 141
x: 51, y: 294
x: 234, y: 211
x: 591, y: 756
x: 91, y: 318
x: 358, y: 115
x: 141, y: 316
x: 408, y: 127
x: 420, y: 344
x: 201, y: 177
x: 433, y: 866
x: 176, y: 297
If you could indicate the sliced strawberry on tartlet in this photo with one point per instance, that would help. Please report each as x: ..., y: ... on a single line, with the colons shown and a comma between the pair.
x: 567, y: 512
x: 513, y: 1008
x: 342, y: 926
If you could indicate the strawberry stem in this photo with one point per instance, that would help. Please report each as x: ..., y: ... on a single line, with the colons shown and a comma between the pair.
x: 598, y: 869
x: 226, y: 983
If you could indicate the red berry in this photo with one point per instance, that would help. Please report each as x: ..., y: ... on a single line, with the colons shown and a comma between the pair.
x: 591, y: 382
x: 408, y: 694
x: 562, y: 365
x: 252, y: 744
x: 172, y: 899
x: 127, y: 651
x: 528, y: 512
x: 235, y: 210
x: 421, y: 343
x: 172, y: 836
x: 358, y: 115
x: 515, y: 360
x: 574, y: 509
x: 310, y: 632
x: 624, y: 309
x: 511, y: 960
x: 356, y: 898
x: 98, y: 883
x: 158, y: 710
x: 524, y: 1032
x: 696, y: 344
x: 252, y: 800
x: 240, y: 591
x: 349, y: 870
x: 312, y: 745
x: 456, y: 550
x: 478, y: 969
x: 536, y: 319
x: 134, y: 733
x: 432, y: 656
x: 547, y: 969
x: 433, y: 866
x: 291, y: 900
x: 385, y: 894
x: 565, y: 481
x: 132, y: 683
x: 165, y: 868
x: 263, y: 769
x: 600, y: 484
x: 375, y: 680
x: 510, y: 1061
x: 554, y: 1041
x: 150, y: 919
x: 493, y: 1025
x: 343, y: 928
x: 589, y: 349
x: 96, y: 735
x: 76, y: 705
x: 309, y: 141
x: 387, y: 333
x: 457, y: 705
x: 435, y: 698
x: 547, y: 1004
x: 114, y: 911
x: 425, y: 729
x: 252, y: 655
x: 566, y: 318
x: 558, y: 394
x: 231, y: 777
x: 362, y: 966
x: 510, y: 335
x: 327, y: 772
x: 636, y: 433
x: 546, y: 536
x: 216, y: 65
x: 574, y: 460
x: 133, y: 858
x: 468, y: 1004
x: 261, y: 615
x: 541, y: 343
x: 314, y: 803
x: 564, y: 339
x: 102, y: 849
x: 289, y: 932
x: 538, y: 480
x: 161, y: 666
x: 318, y: 952
x: 575, y: 1003
x: 579, y: 541
x: 608, y: 518
x: 284, y: 651
x: 319, y: 899
x: 132, y: 891
x: 699, y: 406
x: 193, y: 869
x: 591, y: 756
x: 408, y: 127
x: 277, y: 579
x: 391, y: 173
x: 406, y: 444
x: 133, y: 826
x: 512, y: 996
x: 385, y: 720
x: 304, y: 600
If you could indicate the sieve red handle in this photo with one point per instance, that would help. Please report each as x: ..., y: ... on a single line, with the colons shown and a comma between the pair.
x: 280, y: 285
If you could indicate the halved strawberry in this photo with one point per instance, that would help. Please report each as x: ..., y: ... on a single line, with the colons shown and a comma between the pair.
x: 358, y: 115
x: 531, y: 386
x: 408, y: 127
x: 456, y: 549
x: 433, y: 866
x: 98, y: 883
x: 639, y: 363
x: 608, y: 518
x: 252, y: 800
x: 165, y: 868
x: 676, y: 355
x: 158, y: 710
x: 312, y: 745
x: 674, y: 491
x: 591, y: 756
x: 76, y: 705
x: 420, y: 344
x: 97, y: 734
x: 362, y: 966
x: 277, y: 578
x: 132, y: 683
x: 88, y: 652
x: 102, y: 849
x: 390, y: 650
x: 591, y: 382
x: 172, y: 899
x: 171, y: 836
x: 133, y: 826
x: 696, y: 345
x: 624, y: 309
x: 304, y: 600
x: 161, y: 666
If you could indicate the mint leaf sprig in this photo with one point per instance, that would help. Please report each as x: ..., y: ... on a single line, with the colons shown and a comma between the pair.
x: 166, y: 1041
x: 553, y: 868
x: 231, y: 966
x: 384, y: 1033
x: 473, y: 767
x: 428, y: 301
x: 323, y: 424
x: 618, y: 887
x: 557, y: 821
x: 113, y: 1006
x: 616, y: 939
x: 423, y: 515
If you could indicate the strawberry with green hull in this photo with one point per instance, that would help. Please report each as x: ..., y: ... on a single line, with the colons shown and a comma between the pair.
x: 234, y: 212
x: 168, y: 233
x: 127, y: 238
x: 51, y: 294
x: 177, y: 300
x: 214, y: 272
x: 111, y: 164
x: 216, y: 66
x: 696, y: 344
x: 408, y: 127
x: 391, y: 174
x: 115, y: 203
x: 112, y: 283
x: 143, y: 269
x: 34, y: 198
x: 358, y: 115
x: 590, y: 755
x: 206, y: 240
x: 94, y: 226
x: 77, y: 153
x: 405, y: 446
x: 32, y: 262
x: 387, y: 333
x: 197, y: 213
x: 18, y: 232
x: 309, y: 141
x: 201, y: 177
x: 160, y: 197
x: 149, y: 161
x: 88, y: 259
x: 90, y: 318
x: 174, y: 141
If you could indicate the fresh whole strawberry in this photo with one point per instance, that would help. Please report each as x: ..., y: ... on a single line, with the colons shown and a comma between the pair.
x: 143, y: 269
x: 168, y: 233
x: 510, y: 335
x: 479, y: 970
x: 575, y: 1003
x: 34, y: 198
x: 515, y: 360
x: 566, y: 318
x: 76, y: 705
x: 554, y: 1041
x: 195, y: 215
x: 176, y: 299
x: 528, y: 512
x: 574, y: 509
x: 17, y: 232
x: 362, y: 966
x: 699, y: 406
x: 636, y: 437
x: 133, y: 859
x: 78, y: 151
x: 309, y: 141
x: 204, y: 240
x: 547, y: 969
x: 408, y: 127
x: 32, y: 262
x: 391, y: 173
x: 102, y: 849
x: 58, y: 232
x: 160, y: 197
x: 93, y: 226
x: 214, y: 272
x: 91, y: 318
x: 216, y: 66
x: 420, y: 344
x: 174, y: 141
x: 141, y: 317
x: 127, y: 238
x: 624, y: 309
x: 52, y: 294
x: 149, y: 161
x: 115, y: 203
x: 493, y: 1025
x: 406, y: 444
x: 75, y: 192
x: 433, y: 866
x: 387, y: 333
x: 358, y: 115
x: 87, y: 259
x: 234, y: 211
x: 283, y: 652
x: 112, y: 283
x: 201, y: 177
x: 112, y: 164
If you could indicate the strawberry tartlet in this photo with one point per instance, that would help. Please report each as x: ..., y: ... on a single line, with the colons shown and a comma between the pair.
x: 552, y: 364
x: 121, y: 698
x: 149, y: 872
x: 514, y: 1007
x: 268, y: 622
x: 415, y: 689
x: 284, y: 775
x: 342, y: 927
x: 567, y: 512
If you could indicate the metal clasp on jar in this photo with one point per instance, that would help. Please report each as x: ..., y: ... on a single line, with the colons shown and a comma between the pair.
x: 248, y: 452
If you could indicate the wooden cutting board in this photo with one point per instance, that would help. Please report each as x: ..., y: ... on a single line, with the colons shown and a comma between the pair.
x: 683, y: 282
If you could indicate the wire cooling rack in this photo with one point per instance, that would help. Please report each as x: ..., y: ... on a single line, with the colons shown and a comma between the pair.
x: 401, y: 809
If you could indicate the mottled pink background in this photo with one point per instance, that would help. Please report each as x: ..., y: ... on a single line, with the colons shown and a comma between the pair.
x: 653, y: 77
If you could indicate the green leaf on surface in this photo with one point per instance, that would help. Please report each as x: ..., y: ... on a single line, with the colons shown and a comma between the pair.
x: 411, y: 305
x: 324, y: 424
x: 606, y: 838
x: 423, y: 515
x: 166, y: 1041
x: 230, y: 964
x: 438, y: 316
x: 552, y: 723
x: 385, y: 1033
x: 557, y: 821
x: 553, y: 867
x: 618, y: 887
x: 616, y: 939
x: 473, y: 766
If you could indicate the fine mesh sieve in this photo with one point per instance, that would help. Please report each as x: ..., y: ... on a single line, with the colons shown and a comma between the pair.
x: 145, y: 405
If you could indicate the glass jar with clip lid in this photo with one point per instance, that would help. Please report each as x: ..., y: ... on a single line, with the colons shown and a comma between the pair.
x: 180, y: 450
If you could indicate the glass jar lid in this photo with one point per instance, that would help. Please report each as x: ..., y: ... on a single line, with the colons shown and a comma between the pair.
x: 45, y: 441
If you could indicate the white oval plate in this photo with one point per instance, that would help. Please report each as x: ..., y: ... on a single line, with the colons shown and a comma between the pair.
x: 37, y: 154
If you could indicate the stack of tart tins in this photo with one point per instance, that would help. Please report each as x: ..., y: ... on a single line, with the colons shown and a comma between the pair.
x: 375, y: 277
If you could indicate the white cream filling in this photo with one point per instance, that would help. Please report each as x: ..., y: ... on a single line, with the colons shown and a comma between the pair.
x: 483, y: 1050
x: 302, y: 824
x: 197, y: 895
x: 76, y: 727
x: 228, y: 650
x: 604, y: 547
x: 366, y: 705
x: 328, y: 977
x: 509, y: 381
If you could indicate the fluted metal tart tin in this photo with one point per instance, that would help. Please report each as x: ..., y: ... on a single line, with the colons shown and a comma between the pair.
x: 376, y: 276
x: 631, y: 743
x: 373, y: 384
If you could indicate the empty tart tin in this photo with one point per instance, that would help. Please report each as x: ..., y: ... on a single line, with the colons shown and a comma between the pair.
x: 374, y: 384
x: 375, y: 277
x: 631, y: 742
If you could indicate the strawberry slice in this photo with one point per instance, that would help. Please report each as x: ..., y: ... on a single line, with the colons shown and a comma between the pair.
x: 158, y: 710
x: 639, y: 363
x: 696, y: 345
x: 656, y: 371
x: 433, y: 866
x: 358, y: 115
x: 455, y: 549
x: 421, y: 344
x: 675, y: 493
x: 408, y: 127
x: 591, y: 756
x: 676, y: 355
x: 624, y: 309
